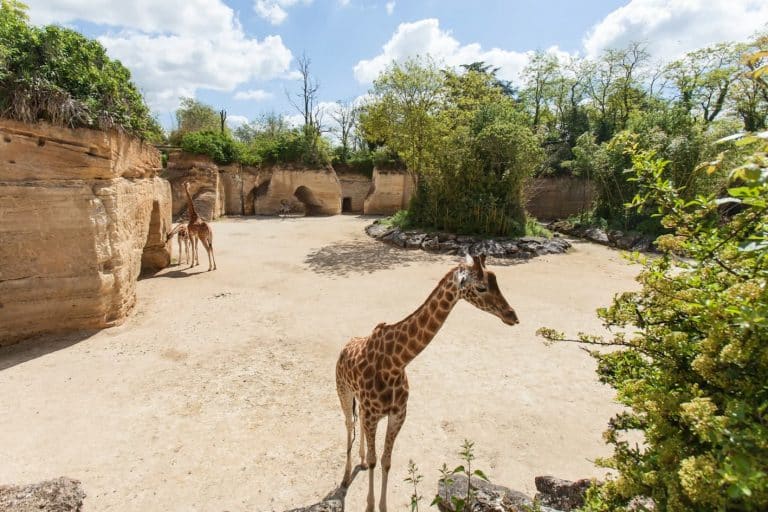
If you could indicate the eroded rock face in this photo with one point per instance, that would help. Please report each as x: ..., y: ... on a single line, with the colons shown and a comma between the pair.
x: 391, y: 191
x: 206, y: 186
x: 76, y: 238
x: 310, y: 191
x: 354, y: 189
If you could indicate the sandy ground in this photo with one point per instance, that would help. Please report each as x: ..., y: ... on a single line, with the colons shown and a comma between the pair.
x: 219, y: 394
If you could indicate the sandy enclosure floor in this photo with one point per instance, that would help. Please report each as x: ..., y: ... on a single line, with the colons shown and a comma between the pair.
x: 219, y: 394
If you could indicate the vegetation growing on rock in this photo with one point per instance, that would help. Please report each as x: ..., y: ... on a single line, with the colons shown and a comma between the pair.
x: 57, y: 75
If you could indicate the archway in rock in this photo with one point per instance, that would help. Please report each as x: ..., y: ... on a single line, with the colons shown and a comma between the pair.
x: 312, y: 205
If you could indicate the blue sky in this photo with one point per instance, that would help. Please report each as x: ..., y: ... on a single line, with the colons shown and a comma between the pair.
x: 241, y: 55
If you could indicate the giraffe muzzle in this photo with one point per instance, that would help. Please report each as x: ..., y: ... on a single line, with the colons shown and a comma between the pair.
x: 509, y: 317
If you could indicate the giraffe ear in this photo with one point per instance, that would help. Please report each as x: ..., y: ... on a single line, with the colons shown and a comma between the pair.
x: 482, y: 260
x: 468, y: 260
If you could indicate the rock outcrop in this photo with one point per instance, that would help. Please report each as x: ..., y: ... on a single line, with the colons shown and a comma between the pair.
x: 206, y: 188
x: 561, y: 494
x: 308, y: 191
x: 447, y: 243
x: 82, y: 213
x: 628, y: 241
x: 59, y: 495
x: 487, y: 497
x: 391, y: 191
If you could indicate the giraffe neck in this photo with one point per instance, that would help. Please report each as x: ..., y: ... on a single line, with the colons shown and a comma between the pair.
x: 191, y: 208
x: 422, y: 325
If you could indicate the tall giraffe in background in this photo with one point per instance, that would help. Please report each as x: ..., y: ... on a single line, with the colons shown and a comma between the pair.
x: 199, y: 230
x: 371, y: 370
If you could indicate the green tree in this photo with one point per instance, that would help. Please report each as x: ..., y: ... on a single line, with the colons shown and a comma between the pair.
x: 194, y: 116
x: 703, y: 79
x: 404, y: 113
x: 539, y: 77
x: 693, y: 357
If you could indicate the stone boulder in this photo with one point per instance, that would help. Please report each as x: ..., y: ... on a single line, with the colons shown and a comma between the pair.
x: 446, y: 243
x: 77, y: 234
x: 488, y: 497
x: 561, y: 494
x: 60, y: 495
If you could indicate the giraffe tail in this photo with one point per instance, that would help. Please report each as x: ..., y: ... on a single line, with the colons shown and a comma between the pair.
x: 354, y: 418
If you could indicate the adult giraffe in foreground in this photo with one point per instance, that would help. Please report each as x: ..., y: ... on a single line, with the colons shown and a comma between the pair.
x: 199, y: 229
x: 371, y: 370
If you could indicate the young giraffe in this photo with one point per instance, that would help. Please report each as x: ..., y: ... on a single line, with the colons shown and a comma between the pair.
x: 199, y: 229
x: 183, y: 237
x: 371, y: 370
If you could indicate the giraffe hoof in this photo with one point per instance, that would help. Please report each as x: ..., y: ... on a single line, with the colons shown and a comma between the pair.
x: 363, y: 466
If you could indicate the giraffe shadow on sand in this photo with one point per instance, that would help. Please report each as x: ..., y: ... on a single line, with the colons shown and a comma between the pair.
x: 337, y: 494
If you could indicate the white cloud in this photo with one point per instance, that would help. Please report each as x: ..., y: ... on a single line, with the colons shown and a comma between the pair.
x: 390, y: 7
x: 192, y: 17
x: 253, y: 94
x: 274, y: 11
x: 425, y: 37
x: 344, y: 3
x: 175, y: 47
x: 674, y: 27
x: 236, y: 121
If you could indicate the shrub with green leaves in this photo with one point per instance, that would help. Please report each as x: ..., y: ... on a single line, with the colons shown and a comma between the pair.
x: 58, y: 75
x: 692, y: 368
x: 222, y: 148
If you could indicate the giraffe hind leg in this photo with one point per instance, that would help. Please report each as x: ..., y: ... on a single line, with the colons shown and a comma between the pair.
x: 347, y: 398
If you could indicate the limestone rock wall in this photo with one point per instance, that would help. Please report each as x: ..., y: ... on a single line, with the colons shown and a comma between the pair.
x: 354, y: 190
x: 205, y: 182
x: 391, y: 191
x: 312, y: 191
x: 82, y: 213
x: 558, y: 198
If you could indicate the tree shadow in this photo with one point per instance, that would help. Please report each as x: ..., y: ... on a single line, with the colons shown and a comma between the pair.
x: 364, y: 257
x: 37, y: 346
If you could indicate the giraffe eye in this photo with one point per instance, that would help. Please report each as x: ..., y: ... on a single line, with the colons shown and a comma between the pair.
x: 481, y: 289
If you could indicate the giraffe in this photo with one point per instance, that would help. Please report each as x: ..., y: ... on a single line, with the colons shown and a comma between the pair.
x: 183, y: 237
x: 199, y: 229
x: 371, y: 370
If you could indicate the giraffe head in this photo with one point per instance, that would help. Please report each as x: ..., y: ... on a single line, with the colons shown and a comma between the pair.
x: 478, y: 286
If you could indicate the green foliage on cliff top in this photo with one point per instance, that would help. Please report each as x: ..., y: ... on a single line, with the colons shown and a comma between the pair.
x: 57, y: 75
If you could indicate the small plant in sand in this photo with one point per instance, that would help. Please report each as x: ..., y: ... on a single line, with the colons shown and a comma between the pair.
x: 414, y: 478
x: 467, y: 454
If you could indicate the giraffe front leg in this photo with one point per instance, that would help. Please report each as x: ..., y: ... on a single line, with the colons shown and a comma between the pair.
x: 394, y: 422
x: 370, y: 437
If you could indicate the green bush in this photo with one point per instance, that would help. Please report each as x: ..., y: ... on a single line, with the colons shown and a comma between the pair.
x: 693, y: 365
x: 479, y: 189
x: 58, y: 75
x: 222, y: 148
